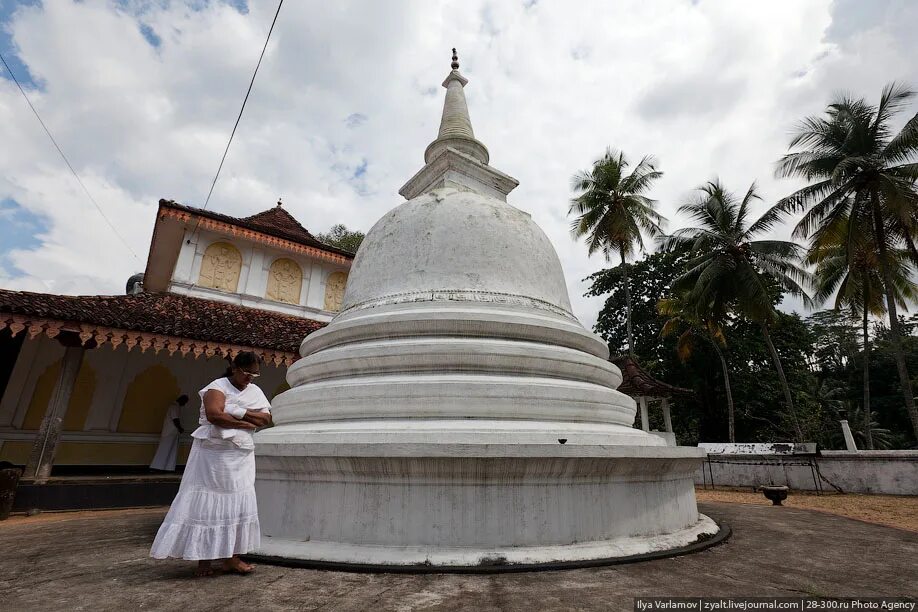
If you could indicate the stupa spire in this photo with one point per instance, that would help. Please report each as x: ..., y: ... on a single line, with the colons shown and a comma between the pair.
x: 456, y: 158
x: 455, y: 124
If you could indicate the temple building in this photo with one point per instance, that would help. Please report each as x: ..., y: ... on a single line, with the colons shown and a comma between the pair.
x: 86, y: 380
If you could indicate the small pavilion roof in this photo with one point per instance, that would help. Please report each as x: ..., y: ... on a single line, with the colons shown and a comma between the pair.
x: 160, y: 321
x: 637, y: 382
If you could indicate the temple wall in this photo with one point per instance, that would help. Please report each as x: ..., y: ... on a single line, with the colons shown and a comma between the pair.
x: 254, y: 277
x: 117, y: 408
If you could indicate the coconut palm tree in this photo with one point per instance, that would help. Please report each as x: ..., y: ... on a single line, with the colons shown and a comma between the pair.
x: 848, y: 267
x: 695, y: 325
x: 732, y: 271
x: 614, y: 212
x: 857, y: 167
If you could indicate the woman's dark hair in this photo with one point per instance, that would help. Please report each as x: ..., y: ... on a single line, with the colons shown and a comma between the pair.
x: 243, y: 359
x: 182, y: 399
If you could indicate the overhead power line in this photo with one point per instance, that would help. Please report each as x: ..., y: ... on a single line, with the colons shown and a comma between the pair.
x: 246, y: 99
x: 67, y: 161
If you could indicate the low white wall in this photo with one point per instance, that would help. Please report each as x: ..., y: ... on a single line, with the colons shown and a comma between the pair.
x: 883, y: 472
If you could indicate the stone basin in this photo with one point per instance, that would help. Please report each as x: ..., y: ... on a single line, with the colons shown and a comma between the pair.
x: 775, y: 493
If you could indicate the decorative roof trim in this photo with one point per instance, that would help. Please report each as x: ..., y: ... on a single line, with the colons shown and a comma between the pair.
x: 100, y: 334
x: 178, y: 320
x: 167, y: 212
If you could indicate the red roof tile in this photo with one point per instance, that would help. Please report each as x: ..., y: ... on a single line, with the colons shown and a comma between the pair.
x: 275, y: 222
x: 168, y: 314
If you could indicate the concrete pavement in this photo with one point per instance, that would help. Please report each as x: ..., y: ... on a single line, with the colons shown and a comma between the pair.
x: 98, y: 561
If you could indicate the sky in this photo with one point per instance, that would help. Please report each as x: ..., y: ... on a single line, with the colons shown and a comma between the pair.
x: 142, y: 95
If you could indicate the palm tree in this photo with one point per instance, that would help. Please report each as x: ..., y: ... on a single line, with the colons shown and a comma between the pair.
x: 847, y: 266
x: 860, y: 169
x: 614, y: 213
x: 731, y: 270
x: 696, y: 325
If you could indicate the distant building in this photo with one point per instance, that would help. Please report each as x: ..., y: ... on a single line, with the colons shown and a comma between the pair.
x: 86, y: 380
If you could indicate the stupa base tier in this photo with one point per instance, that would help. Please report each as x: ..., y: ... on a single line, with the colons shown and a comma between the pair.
x: 456, y: 435
x: 703, y: 533
x: 470, y: 505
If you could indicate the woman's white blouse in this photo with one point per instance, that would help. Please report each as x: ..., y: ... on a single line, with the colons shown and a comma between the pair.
x: 237, y: 402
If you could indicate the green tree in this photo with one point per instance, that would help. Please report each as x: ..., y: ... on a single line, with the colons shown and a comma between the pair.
x: 848, y: 267
x: 651, y: 279
x: 754, y: 383
x: 732, y: 271
x: 885, y: 385
x: 693, y: 325
x: 613, y: 212
x: 858, y: 168
x: 343, y: 238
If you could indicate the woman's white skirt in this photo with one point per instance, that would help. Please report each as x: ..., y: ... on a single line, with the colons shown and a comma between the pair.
x: 215, y: 514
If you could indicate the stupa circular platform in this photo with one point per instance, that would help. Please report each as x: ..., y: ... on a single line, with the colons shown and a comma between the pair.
x: 465, y: 505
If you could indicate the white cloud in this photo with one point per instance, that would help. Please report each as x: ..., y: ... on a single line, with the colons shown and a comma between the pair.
x: 348, y: 96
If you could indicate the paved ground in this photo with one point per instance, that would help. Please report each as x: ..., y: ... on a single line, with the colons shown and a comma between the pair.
x: 98, y: 561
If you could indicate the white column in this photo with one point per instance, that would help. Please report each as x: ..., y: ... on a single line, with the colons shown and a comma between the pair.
x: 316, y: 295
x: 645, y: 419
x: 185, y: 262
x: 256, y: 282
x: 667, y: 420
x: 849, y: 438
x: 45, y: 447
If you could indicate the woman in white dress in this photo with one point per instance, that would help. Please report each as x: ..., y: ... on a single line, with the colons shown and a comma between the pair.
x: 215, y: 514
x: 167, y: 451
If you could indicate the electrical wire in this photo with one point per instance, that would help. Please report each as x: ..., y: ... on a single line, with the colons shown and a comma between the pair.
x: 239, y: 117
x: 67, y: 161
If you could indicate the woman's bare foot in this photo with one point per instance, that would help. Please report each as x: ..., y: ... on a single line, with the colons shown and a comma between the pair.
x: 238, y: 566
x: 204, y: 569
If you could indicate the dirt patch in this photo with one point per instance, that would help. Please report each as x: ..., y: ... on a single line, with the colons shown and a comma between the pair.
x: 893, y: 510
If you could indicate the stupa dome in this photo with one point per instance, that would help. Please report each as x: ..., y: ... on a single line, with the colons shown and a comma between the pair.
x: 461, y: 244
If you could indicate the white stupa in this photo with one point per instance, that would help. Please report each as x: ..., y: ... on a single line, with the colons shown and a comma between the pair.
x: 455, y: 412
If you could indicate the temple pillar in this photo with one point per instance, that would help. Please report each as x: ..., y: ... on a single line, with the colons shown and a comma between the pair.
x: 41, y: 459
x: 645, y: 418
x: 667, y: 419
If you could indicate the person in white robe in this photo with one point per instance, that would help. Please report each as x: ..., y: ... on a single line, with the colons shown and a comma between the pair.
x: 215, y: 514
x: 167, y: 451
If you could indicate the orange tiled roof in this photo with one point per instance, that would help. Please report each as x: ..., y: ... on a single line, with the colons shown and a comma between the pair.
x: 166, y: 314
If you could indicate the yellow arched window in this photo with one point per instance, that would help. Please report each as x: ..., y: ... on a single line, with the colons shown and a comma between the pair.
x: 220, y: 267
x: 285, y: 280
x: 334, y: 291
